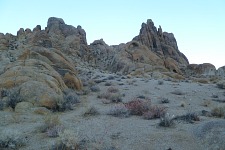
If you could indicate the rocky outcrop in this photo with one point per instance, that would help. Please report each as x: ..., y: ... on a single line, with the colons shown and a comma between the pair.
x: 71, y: 40
x: 221, y: 71
x: 134, y: 57
x: 152, y: 50
x: 34, y: 69
x: 163, y: 44
x: 197, y: 70
x: 101, y: 55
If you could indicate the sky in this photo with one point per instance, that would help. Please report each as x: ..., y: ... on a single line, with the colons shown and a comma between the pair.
x: 198, y: 25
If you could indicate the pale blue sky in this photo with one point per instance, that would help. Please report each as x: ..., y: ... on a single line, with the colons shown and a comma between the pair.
x: 198, y: 25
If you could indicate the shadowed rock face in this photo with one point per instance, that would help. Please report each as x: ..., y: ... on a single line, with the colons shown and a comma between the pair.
x: 221, y: 71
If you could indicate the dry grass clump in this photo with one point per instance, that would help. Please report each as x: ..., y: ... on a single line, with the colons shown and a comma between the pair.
x: 12, y: 139
x: 221, y: 84
x: 218, y: 111
x: 91, y: 111
x: 112, y: 90
x: 138, y: 106
x: 111, y: 96
x: 68, y: 140
x: 95, y: 88
x: 183, y: 104
x: 160, y: 82
x: 189, y: 117
x: 41, y: 111
x: 108, y: 84
x: 167, y: 120
x: 206, y: 103
x: 70, y: 99
x: 165, y: 100
x: 52, y: 125
x: 1, y: 105
x: 13, y: 98
x: 119, y: 110
x: 155, y: 112
x: 215, y: 96
x: 219, y: 100
x: 202, y: 80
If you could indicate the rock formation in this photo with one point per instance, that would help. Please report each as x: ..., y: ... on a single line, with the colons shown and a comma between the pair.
x: 205, y: 69
x: 150, y: 51
x: 38, y: 65
x: 34, y: 66
x: 162, y: 44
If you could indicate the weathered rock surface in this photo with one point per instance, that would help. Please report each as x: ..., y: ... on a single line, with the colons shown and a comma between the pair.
x: 197, y: 70
x: 35, y: 68
x: 221, y: 71
x: 161, y: 43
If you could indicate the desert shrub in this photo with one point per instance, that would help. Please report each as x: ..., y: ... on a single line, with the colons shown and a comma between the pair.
x: 221, y: 85
x: 137, y: 106
x: 206, y: 113
x: 178, y: 92
x: 54, y: 131
x: 85, y: 91
x: 4, y: 93
x: 70, y: 98
x: 112, y: 90
x: 108, y: 84
x: 95, y: 88
x: 115, y: 97
x: 52, y: 125
x: 182, y: 104
x: 218, y: 111
x: 202, y: 80
x: 189, y: 117
x: 99, y: 81
x: 12, y: 139
x: 103, y: 95
x: 219, y: 100
x: 141, y: 97
x: 206, y: 103
x: 215, y: 96
x: 155, y: 112
x: 166, y: 120
x: 92, y: 111
x: 91, y: 82
x: 160, y: 82
x: 112, y: 97
x: 14, y: 98
x: 165, y: 100
x: 68, y: 140
x: 41, y: 111
x: 51, y: 121
x: 111, y: 77
x: 1, y: 105
x: 119, y: 111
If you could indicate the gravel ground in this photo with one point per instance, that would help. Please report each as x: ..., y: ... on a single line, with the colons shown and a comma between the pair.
x: 105, y: 132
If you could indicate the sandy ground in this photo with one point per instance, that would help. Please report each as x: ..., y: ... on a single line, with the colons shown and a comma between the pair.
x: 105, y: 132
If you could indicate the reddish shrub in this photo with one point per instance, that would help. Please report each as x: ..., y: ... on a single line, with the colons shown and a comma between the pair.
x: 155, y: 112
x: 112, y: 90
x: 137, y: 106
